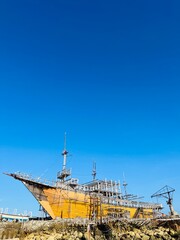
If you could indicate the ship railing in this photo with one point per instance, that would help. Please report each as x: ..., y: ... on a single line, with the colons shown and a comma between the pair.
x: 127, y: 203
x: 38, y: 179
x: 64, y: 173
x: 72, y: 181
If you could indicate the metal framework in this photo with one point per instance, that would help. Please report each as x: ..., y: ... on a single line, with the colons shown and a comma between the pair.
x: 166, y: 192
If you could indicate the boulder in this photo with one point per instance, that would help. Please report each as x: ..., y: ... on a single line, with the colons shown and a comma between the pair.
x: 145, y: 237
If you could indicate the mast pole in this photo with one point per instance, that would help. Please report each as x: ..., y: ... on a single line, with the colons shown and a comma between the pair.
x: 64, y: 153
x: 94, y: 171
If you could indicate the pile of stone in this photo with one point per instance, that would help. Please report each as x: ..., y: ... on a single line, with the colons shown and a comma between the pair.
x: 148, y: 234
x: 43, y: 235
x: 55, y: 230
x: 152, y: 230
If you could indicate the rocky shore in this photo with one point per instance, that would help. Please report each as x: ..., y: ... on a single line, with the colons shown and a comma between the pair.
x: 115, y: 230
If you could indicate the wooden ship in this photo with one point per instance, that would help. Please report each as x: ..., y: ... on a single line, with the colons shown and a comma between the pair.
x: 95, y: 200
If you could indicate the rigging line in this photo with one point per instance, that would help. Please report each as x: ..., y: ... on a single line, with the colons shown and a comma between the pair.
x: 47, y: 169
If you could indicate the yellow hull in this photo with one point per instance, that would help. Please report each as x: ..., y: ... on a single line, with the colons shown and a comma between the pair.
x: 60, y: 203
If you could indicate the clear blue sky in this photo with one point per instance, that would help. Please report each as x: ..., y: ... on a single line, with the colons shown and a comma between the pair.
x: 107, y: 73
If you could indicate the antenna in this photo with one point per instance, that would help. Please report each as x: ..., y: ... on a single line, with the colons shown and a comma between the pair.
x: 94, y: 171
x: 166, y: 192
x: 65, y: 141
x: 128, y: 196
x: 64, y: 153
x: 65, y: 172
x: 125, y: 185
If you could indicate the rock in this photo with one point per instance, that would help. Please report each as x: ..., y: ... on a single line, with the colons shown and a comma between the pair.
x: 160, y: 233
x: 31, y: 236
x: 13, y: 239
x: 80, y: 234
x: 148, y: 232
x: 171, y: 232
x: 137, y: 236
x: 37, y: 238
x: 152, y: 238
x: 145, y: 237
x: 51, y: 238
x: 58, y: 236
x: 132, y: 234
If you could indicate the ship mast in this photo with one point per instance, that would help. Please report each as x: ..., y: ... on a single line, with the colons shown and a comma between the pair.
x: 94, y: 171
x: 64, y: 153
x: 62, y: 175
x: 125, y: 187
